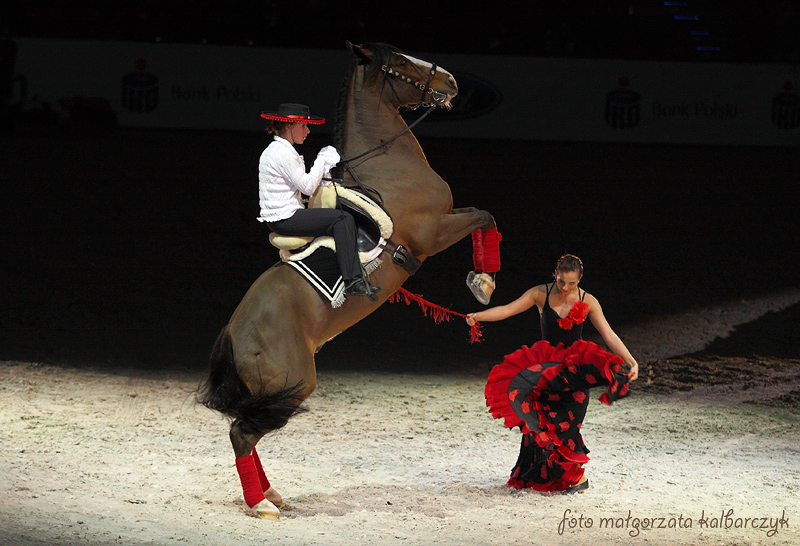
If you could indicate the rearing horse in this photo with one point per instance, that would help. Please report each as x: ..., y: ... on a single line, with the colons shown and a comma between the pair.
x: 262, y: 364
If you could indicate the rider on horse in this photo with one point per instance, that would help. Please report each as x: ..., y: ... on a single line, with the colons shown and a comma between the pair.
x: 262, y: 366
x: 282, y: 178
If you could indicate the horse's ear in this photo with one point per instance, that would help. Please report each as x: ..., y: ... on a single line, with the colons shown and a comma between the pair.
x: 363, y: 53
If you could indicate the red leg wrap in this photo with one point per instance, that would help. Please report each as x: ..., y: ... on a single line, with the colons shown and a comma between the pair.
x: 490, y: 248
x: 477, y: 250
x: 251, y: 486
x: 261, y: 476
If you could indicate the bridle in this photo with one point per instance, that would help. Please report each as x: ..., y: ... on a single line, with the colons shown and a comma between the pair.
x: 436, y: 98
x: 400, y: 255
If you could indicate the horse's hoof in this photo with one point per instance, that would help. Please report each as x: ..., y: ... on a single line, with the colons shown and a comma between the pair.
x: 273, y: 496
x: 481, y: 285
x: 266, y: 510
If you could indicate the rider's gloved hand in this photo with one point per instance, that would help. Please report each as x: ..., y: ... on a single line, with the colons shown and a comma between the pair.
x: 329, y: 155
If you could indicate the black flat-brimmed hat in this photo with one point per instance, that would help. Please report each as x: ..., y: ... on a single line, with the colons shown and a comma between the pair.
x: 293, y: 113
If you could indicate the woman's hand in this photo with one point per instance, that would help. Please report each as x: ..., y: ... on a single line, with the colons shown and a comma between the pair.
x: 633, y: 373
x: 472, y: 318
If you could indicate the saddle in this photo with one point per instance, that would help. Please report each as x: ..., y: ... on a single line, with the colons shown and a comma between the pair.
x: 373, y: 223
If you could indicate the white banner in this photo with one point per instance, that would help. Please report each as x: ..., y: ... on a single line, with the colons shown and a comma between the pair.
x: 212, y: 87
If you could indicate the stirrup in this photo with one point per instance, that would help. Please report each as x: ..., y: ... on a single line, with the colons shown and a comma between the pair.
x: 481, y: 285
x: 361, y: 287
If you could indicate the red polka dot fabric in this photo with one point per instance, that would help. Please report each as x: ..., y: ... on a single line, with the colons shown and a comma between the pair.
x: 543, y: 389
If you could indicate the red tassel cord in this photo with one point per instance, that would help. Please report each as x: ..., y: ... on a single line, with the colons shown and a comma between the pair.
x: 437, y: 312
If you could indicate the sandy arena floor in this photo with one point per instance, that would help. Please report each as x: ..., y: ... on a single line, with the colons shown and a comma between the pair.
x: 703, y: 452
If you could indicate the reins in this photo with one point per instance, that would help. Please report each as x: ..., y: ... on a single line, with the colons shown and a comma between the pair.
x: 346, y: 162
x: 384, y: 143
x: 426, y: 89
x: 399, y: 254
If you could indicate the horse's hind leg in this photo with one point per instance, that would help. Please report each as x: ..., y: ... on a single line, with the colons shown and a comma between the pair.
x: 260, y: 414
x: 259, y: 495
x: 270, y: 492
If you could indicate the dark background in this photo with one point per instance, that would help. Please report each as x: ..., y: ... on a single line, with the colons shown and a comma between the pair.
x: 764, y: 31
x: 133, y: 247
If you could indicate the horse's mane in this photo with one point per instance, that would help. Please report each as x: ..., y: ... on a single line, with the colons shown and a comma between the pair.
x: 381, y: 54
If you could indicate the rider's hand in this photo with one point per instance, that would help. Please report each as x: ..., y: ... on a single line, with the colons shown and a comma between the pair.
x: 329, y: 155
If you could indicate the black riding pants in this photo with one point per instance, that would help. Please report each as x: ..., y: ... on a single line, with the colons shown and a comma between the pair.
x: 333, y: 222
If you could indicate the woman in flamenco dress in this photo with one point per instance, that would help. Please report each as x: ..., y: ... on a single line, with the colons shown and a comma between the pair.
x: 543, y: 389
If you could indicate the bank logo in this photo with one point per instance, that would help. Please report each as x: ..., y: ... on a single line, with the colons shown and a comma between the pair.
x: 623, y: 106
x: 140, y: 90
x: 786, y: 108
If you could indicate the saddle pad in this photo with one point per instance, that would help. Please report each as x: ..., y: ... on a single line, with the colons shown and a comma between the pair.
x: 321, y: 271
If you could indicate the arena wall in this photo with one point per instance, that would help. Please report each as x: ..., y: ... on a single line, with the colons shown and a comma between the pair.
x: 155, y: 85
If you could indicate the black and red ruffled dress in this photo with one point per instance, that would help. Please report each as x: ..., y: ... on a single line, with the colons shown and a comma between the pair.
x: 543, y: 390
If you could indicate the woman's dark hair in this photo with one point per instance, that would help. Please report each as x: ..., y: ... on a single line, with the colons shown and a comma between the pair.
x: 276, y: 127
x: 569, y: 262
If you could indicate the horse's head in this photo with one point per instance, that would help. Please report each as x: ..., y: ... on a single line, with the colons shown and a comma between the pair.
x: 412, y: 80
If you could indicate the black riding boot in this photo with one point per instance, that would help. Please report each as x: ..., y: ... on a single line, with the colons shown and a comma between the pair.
x: 360, y: 287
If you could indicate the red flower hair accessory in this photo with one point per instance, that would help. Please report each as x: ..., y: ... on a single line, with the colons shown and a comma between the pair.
x: 576, y: 315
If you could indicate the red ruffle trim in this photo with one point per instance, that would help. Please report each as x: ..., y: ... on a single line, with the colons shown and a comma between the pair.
x: 579, y: 353
x: 609, y: 364
x: 572, y: 475
x: 496, y: 391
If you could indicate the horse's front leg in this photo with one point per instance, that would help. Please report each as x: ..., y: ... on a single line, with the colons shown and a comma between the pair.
x: 485, y: 245
x: 465, y: 209
x: 451, y: 228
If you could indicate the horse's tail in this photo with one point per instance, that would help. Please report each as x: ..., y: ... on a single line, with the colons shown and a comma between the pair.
x: 224, y: 391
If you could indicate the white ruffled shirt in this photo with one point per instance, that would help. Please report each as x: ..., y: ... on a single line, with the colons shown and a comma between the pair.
x: 282, y: 178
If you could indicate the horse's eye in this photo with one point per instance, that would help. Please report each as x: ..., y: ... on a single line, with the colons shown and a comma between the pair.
x: 403, y: 62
